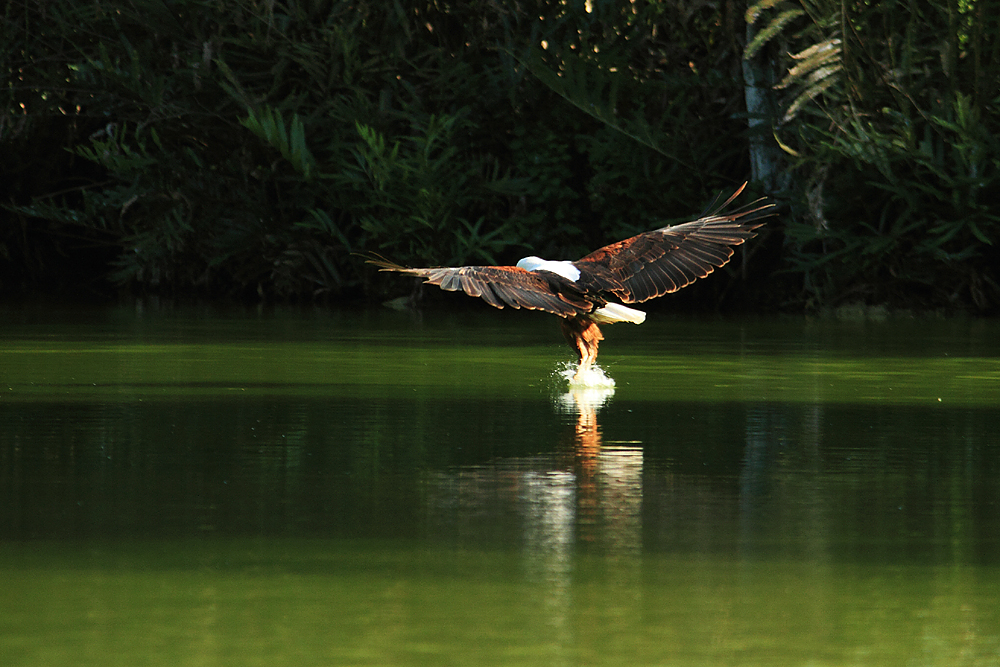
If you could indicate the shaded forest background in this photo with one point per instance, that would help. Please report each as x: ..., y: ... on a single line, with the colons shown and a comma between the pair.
x: 241, y: 148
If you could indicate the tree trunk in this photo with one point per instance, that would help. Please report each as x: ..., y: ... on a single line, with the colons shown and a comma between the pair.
x: 766, y: 158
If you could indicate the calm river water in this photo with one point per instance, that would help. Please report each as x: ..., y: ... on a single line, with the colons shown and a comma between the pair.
x: 318, y: 487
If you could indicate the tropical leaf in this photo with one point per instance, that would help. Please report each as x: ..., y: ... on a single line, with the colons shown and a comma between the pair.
x: 268, y: 124
x: 772, y: 30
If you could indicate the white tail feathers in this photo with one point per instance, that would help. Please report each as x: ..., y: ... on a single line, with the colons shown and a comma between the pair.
x: 615, y: 312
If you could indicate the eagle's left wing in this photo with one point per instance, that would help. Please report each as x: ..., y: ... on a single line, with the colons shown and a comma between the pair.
x: 664, y: 260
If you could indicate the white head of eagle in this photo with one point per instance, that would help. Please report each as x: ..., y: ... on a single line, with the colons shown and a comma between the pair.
x: 562, y: 267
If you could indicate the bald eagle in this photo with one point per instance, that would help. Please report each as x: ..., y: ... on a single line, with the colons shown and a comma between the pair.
x: 593, y: 290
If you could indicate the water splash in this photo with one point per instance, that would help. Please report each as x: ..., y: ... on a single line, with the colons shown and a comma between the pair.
x: 583, y: 399
x: 589, y: 393
x: 592, y: 378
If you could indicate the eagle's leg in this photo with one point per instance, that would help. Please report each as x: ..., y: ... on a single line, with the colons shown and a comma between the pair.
x: 583, y: 336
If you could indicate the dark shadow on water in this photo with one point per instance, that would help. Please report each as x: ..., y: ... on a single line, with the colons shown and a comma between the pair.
x: 800, y: 481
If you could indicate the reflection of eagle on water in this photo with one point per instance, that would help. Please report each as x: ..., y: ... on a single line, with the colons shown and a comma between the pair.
x: 637, y: 269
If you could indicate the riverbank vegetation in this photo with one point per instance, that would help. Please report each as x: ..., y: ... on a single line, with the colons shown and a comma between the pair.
x: 241, y: 148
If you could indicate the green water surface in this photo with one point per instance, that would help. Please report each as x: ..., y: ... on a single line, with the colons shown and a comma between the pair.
x: 315, y: 487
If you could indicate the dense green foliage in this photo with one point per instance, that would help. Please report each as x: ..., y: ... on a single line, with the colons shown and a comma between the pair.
x: 241, y: 147
x: 891, y: 118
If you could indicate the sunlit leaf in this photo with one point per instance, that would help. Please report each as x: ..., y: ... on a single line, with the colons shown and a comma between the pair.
x: 773, y: 28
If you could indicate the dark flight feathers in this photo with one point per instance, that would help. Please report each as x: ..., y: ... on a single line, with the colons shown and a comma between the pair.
x: 505, y: 286
x: 637, y: 269
x: 665, y: 260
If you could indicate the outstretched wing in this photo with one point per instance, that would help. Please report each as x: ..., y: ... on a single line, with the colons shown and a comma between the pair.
x: 503, y: 285
x: 665, y: 260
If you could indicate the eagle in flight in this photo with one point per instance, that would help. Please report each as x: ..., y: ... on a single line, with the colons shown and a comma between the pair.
x: 593, y: 290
